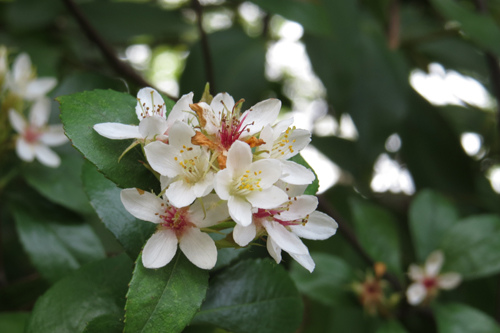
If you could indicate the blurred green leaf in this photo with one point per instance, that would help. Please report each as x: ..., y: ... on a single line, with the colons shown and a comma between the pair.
x: 105, y: 198
x: 472, y: 248
x: 109, y: 323
x: 55, y: 240
x: 237, y: 61
x: 328, y: 283
x: 62, y: 185
x: 93, y: 291
x: 391, y: 326
x: 81, y: 111
x: 164, y: 299
x: 13, y: 322
x: 26, y: 15
x: 377, y: 232
x: 252, y: 296
x: 481, y: 29
x: 430, y: 216
x: 460, y: 318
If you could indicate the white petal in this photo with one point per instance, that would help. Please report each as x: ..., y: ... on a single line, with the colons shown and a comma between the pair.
x: 159, y: 249
x: 319, y: 226
x: 295, y: 173
x: 142, y: 205
x: 21, y: 69
x: 212, y: 120
x: 54, y: 136
x: 39, y: 87
x: 240, y: 210
x: 117, y: 131
x: 244, y: 235
x: 152, y: 126
x: 17, y: 121
x: 215, y: 211
x: 239, y: 158
x: 204, y: 185
x: 260, y: 115
x: 165, y: 181
x: 161, y: 157
x: 39, y: 112
x: 305, y: 260
x: 199, y: 248
x: 416, y: 273
x: 269, y: 198
x: 46, y: 156
x: 300, y: 139
x: 149, y: 101
x: 180, y: 135
x: 222, y: 183
x: 449, y: 281
x: 222, y: 102
x: 269, y: 171
x: 273, y: 249
x: 300, y: 207
x: 267, y: 134
x: 282, y: 126
x: 180, y: 194
x: 434, y: 263
x: 416, y: 293
x: 285, y: 239
x: 181, y: 111
x: 24, y: 150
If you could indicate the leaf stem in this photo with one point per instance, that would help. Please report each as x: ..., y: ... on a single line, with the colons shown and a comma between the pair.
x: 207, y: 55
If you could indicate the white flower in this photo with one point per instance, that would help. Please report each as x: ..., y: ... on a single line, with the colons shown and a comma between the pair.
x: 246, y: 184
x: 152, y: 114
x: 285, y: 224
x: 186, y: 165
x: 428, y: 281
x: 35, y: 135
x: 283, y: 142
x: 22, y: 80
x: 176, y: 226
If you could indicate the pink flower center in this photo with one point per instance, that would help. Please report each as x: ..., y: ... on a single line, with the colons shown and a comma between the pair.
x: 275, y: 213
x: 176, y: 219
x: 31, y: 134
x: 430, y: 283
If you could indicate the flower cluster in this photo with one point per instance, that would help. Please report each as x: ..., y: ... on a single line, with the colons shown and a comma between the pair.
x: 21, y: 89
x: 217, y: 164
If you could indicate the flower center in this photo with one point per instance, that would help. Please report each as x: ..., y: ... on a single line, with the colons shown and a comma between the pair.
x: 248, y: 182
x: 31, y: 134
x: 190, y: 166
x: 430, y: 283
x: 175, y: 219
x: 283, y: 145
x: 157, y: 110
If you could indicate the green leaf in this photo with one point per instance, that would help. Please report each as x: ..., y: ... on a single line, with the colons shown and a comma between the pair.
x: 460, y: 318
x: 472, y: 248
x: 377, y: 232
x: 481, y: 29
x: 81, y: 111
x: 109, y: 323
x: 55, y: 240
x: 329, y: 281
x: 252, y: 296
x: 430, y: 216
x: 105, y: 198
x: 164, y: 299
x: 95, y: 290
x: 13, y: 322
x: 62, y: 185
x: 311, y: 189
x: 391, y: 326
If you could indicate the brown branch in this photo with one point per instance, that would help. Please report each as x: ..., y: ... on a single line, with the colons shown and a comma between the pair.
x: 349, y: 235
x: 394, y: 27
x: 207, y: 55
x: 107, y: 51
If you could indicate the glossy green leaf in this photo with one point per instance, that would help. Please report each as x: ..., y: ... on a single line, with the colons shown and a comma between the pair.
x: 430, y: 216
x: 252, y: 296
x: 95, y: 290
x: 56, y: 241
x: 81, y: 111
x: 62, y: 185
x: 164, y: 299
x: 377, y: 232
x: 13, y: 322
x: 481, y: 29
x: 328, y: 283
x: 391, y: 326
x: 105, y: 198
x: 461, y: 318
x: 312, y: 188
x: 472, y: 248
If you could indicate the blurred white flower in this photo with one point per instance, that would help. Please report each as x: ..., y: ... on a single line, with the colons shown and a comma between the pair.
x: 427, y: 280
x: 35, y: 136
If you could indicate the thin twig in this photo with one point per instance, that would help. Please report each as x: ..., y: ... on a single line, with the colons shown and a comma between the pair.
x: 109, y: 54
x: 348, y: 234
x: 207, y: 55
x: 394, y: 25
